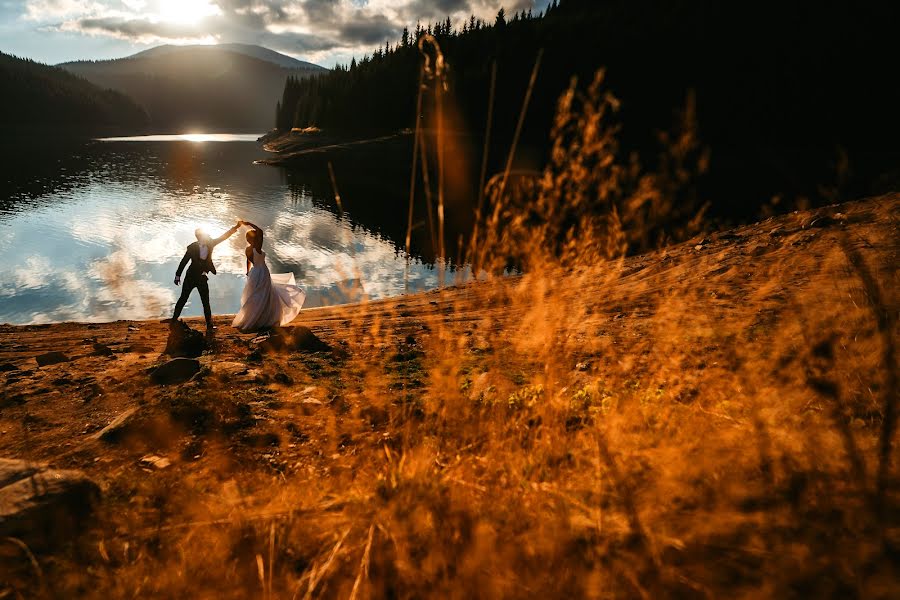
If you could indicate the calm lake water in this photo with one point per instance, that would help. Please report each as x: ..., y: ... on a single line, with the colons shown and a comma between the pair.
x: 96, y: 233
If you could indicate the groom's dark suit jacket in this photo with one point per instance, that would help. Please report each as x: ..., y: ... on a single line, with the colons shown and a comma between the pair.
x: 199, y: 266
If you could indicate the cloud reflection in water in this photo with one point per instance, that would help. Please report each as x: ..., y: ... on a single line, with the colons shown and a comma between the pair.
x: 107, y: 247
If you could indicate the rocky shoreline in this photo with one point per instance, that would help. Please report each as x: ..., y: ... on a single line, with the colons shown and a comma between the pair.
x: 295, y: 146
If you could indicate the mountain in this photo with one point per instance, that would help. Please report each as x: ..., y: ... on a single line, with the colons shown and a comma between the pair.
x: 36, y: 95
x: 259, y: 52
x: 224, y: 88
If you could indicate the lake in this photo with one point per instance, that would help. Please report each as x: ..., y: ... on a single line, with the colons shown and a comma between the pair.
x: 94, y: 231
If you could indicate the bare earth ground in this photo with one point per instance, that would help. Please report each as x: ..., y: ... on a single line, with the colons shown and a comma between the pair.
x: 704, y: 421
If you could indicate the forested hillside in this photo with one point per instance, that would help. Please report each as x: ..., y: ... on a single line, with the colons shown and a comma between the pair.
x: 197, y: 87
x: 36, y: 95
x: 783, y: 94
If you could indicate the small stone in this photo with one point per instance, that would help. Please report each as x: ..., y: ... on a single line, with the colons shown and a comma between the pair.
x: 823, y: 221
x: 582, y: 366
x: 225, y: 370
x: 311, y: 400
x: 51, y: 358
x: 157, y: 462
x: 177, y: 370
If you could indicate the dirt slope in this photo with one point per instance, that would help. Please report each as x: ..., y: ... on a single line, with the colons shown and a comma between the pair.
x: 685, y: 423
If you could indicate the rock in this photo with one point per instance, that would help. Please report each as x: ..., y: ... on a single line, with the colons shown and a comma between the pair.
x: 43, y: 506
x: 290, y: 339
x: 177, y: 370
x: 302, y: 339
x: 184, y: 341
x: 101, y: 350
x: 140, y: 349
x: 118, y: 427
x: 283, y: 378
x: 270, y: 343
x: 10, y: 400
x: 157, y: 462
x: 6, y: 367
x: 12, y: 470
x: 51, y: 358
x: 821, y: 221
x: 226, y: 370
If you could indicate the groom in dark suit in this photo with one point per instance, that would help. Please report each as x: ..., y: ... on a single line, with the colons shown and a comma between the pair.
x: 199, y: 254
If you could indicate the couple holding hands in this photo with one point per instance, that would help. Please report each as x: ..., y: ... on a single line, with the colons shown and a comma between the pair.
x: 267, y: 300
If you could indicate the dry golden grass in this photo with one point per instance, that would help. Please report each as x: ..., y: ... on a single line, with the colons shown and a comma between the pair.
x: 713, y: 419
x: 703, y: 421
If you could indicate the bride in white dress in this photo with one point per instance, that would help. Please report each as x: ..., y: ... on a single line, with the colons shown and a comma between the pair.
x: 267, y: 300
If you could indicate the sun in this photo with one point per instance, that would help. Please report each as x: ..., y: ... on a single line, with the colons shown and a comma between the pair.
x: 186, y: 11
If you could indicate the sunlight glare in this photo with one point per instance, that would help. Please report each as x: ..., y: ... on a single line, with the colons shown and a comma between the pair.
x: 186, y: 12
x: 197, y: 137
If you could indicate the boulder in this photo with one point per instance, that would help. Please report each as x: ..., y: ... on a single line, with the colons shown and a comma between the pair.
x: 117, y: 427
x: 51, y: 358
x: 101, y: 350
x: 184, y: 341
x: 41, y: 506
x: 177, y: 370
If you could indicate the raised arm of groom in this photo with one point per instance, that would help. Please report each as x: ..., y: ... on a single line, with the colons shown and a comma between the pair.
x: 225, y: 235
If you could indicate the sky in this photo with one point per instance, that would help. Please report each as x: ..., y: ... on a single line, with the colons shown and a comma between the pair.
x: 325, y: 32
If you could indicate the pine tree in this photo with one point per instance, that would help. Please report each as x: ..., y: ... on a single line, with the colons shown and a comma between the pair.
x: 500, y: 21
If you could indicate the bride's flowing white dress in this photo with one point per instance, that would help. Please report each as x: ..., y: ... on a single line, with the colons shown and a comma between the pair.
x: 267, y: 299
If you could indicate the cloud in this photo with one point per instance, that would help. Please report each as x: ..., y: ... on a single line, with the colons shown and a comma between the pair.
x: 43, y: 10
x: 323, y: 30
x: 136, y: 29
x: 369, y: 31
